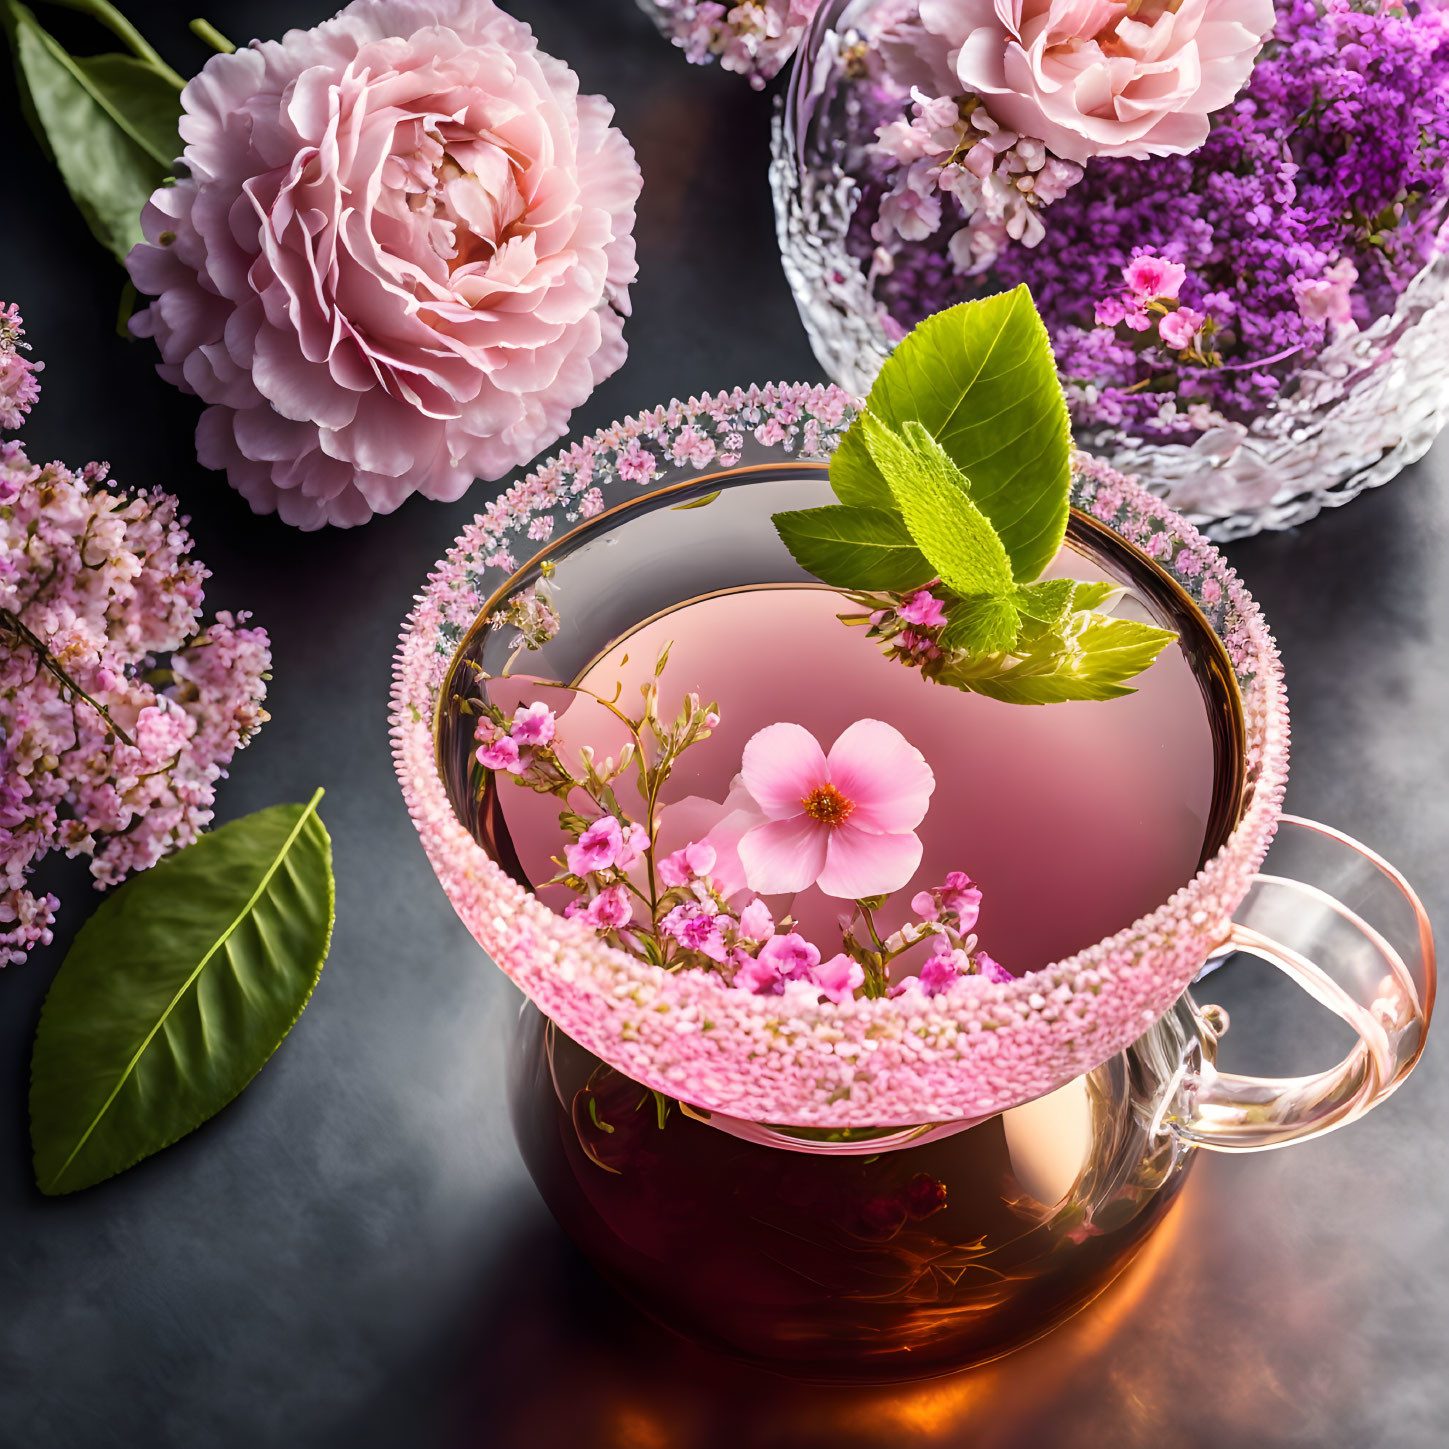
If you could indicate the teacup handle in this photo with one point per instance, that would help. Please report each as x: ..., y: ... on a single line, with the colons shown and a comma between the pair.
x: 1342, y: 923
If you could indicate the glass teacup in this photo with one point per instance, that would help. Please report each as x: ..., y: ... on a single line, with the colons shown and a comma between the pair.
x: 783, y: 1203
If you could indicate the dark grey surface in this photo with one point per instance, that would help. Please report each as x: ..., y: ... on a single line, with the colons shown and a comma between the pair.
x: 352, y: 1254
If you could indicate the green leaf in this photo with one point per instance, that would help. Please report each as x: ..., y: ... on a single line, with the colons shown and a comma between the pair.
x: 176, y: 992
x: 855, y: 548
x: 108, y: 121
x: 140, y: 100
x: 1047, y: 601
x: 854, y: 477
x: 1108, y: 652
x: 987, y: 624
x: 981, y: 378
x: 1091, y: 596
x: 930, y: 492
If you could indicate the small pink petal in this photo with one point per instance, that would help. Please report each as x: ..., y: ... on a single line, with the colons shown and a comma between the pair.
x: 784, y: 855
x: 838, y: 977
x: 859, y: 864
x: 782, y: 764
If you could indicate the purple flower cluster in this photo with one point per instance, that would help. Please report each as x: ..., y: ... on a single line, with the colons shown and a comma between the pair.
x: 1318, y: 195
x: 118, y: 710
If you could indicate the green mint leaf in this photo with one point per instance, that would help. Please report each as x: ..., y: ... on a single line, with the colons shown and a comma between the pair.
x: 1047, y: 601
x: 855, y: 548
x: 176, y: 992
x: 980, y: 377
x: 930, y: 492
x: 1090, y: 598
x: 1108, y: 652
x: 854, y: 476
x: 986, y: 624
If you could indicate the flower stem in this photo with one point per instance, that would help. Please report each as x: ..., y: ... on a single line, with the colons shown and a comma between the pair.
x: 205, y: 30
x: 49, y: 663
x: 107, y: 15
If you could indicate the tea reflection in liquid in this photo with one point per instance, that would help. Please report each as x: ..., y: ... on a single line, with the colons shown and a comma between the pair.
x: 853, y: 1267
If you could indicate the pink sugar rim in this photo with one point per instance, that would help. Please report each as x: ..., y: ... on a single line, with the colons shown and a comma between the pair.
x: 977, y: 1051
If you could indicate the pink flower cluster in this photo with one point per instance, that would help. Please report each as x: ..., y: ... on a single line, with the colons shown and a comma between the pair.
x: 18, y: 385
x: 510, y: 750
x: 1000, y: 180
x: 797, y: 818
x: 108, y: 749
x: 1148, y: 305
x: 753, y: 38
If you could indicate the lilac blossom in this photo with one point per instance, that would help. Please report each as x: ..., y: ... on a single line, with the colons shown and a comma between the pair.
x: 119, y: 709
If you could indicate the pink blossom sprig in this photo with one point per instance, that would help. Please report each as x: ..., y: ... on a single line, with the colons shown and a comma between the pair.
x: 18, y: 385
x: 952, y: 154
x: 752, y: 38
x: 119, y: 710
x: 697, y: 907
x: 1150, y: 316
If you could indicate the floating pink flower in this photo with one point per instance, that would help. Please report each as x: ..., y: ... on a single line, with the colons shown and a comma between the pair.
x: 838, y: 977
x: 397, y: 258
x: 757, y: 923
x: 598, y: 848
x: 924, y: 610
x: 533, y: 724
x: 695, y: 860
x: 608, y: 910
x: 1178, y: 329
x: 782, y: 958
x: 501, y: 754
x: 1149, y: 278
x: 697, y: 928
x: 961, y: 898
x: 845, y: 823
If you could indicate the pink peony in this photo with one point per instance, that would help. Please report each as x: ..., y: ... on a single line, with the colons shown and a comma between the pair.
x: 845, y: 823
x: 1096, y: 77
x: 399, y: 259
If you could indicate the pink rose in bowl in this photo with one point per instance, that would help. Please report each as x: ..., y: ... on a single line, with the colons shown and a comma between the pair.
x: 1098, y: 77
x: 399, y: 260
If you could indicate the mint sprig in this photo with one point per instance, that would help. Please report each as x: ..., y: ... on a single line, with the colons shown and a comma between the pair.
x: 957, y: 474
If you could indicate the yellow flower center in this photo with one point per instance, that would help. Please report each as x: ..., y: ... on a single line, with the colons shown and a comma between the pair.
x: 826, y: 804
